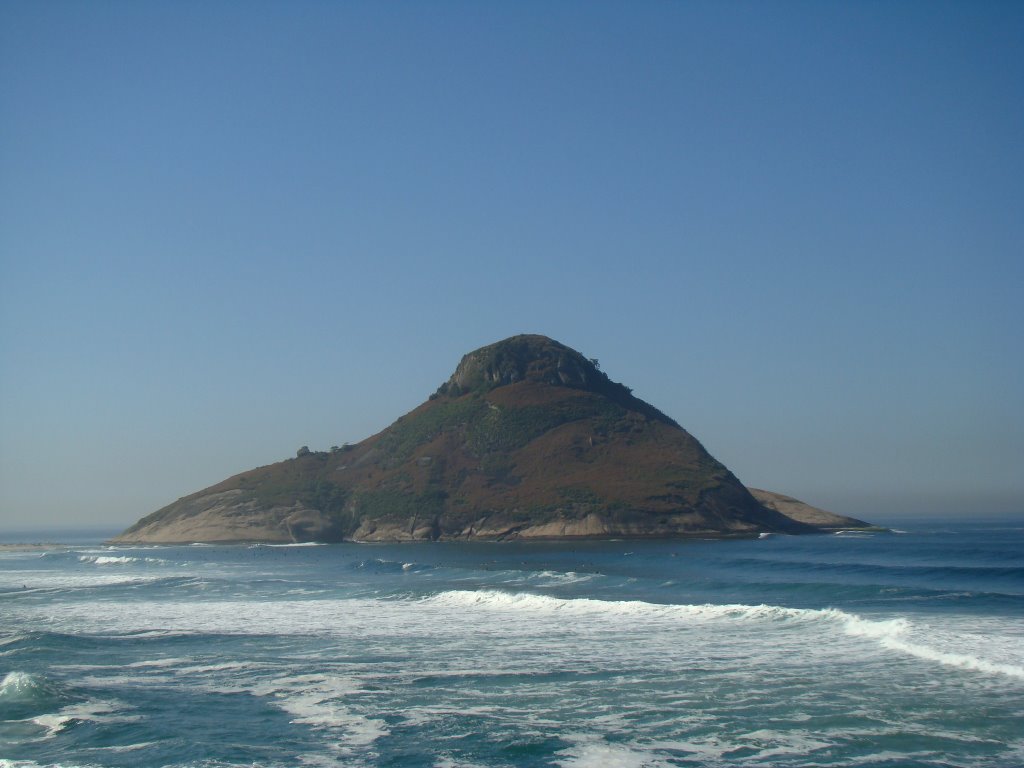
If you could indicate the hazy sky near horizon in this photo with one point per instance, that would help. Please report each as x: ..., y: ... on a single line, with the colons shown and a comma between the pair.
x: 231, y: 229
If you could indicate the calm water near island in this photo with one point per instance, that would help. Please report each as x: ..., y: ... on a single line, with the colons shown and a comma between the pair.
x: 902, y: 649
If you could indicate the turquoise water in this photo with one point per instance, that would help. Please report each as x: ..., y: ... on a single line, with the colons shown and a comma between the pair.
x: 901, y: 649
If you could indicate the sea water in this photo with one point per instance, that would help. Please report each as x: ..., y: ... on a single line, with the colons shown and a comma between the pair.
x: 894, y: 649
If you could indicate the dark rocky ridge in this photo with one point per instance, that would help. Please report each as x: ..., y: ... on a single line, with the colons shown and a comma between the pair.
x: 526, y: 439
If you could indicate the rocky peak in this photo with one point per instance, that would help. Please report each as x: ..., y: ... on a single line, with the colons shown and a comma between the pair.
x: 539, y: 360
x: 526, y: 357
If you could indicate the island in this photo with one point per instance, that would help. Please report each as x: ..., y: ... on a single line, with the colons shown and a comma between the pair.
x: 528, y: 439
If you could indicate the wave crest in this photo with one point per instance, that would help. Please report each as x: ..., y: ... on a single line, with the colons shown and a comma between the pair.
x: 23, y: 694
x: 117, y: 559
x: 897, y: 634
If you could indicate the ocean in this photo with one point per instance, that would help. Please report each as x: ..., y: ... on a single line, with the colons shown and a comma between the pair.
x: 889, y: 649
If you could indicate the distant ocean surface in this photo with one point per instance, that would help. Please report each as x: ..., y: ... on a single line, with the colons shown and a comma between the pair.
x: 902, y: 649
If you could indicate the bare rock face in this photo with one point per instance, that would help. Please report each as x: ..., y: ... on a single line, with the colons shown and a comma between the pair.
x: 527, y: 439
x: 805, y: 513
x: 523, y: 358
x: 232, y: 516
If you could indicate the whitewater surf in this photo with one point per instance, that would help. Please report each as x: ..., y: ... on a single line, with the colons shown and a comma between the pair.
x: 875, y: 650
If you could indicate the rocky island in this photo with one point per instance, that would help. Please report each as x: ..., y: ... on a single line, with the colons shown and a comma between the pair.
x: 527, y: 439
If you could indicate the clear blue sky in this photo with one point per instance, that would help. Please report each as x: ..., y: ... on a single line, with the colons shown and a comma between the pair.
x: 231, y: 229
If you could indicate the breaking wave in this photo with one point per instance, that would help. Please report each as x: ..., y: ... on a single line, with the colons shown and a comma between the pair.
x: 117, y: 559
x: 898, y: 635
x: 24, y: 695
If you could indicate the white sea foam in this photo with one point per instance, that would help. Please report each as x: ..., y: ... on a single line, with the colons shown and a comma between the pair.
x: 447, y: 761
x: 762, y: 747
x: 594, y: 752
x: 116, y: 559
x: 188, y: 666
x: 225, y: 666
x: 320, y: 701
x: 53, y: 724
x: 461, y: 617
x: 300, y: 544
x: 775, y: 744
x: 120, y: 682
x: 94, y: 710
x: 893, y: 635
x: 458, y: 676
x: 123, y: 747
x: 424, y: 714
x: 324, y: 761
x: 521, y: 602
x: 158, y: 663
x: 557, y: 577
x: 890, y: 634
x: 30, y: 581
x: 288, y: 544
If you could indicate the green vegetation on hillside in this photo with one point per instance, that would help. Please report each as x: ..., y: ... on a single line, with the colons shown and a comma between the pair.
x: 300, y: 479
x: 424, y: 424
x: 391, y: 505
